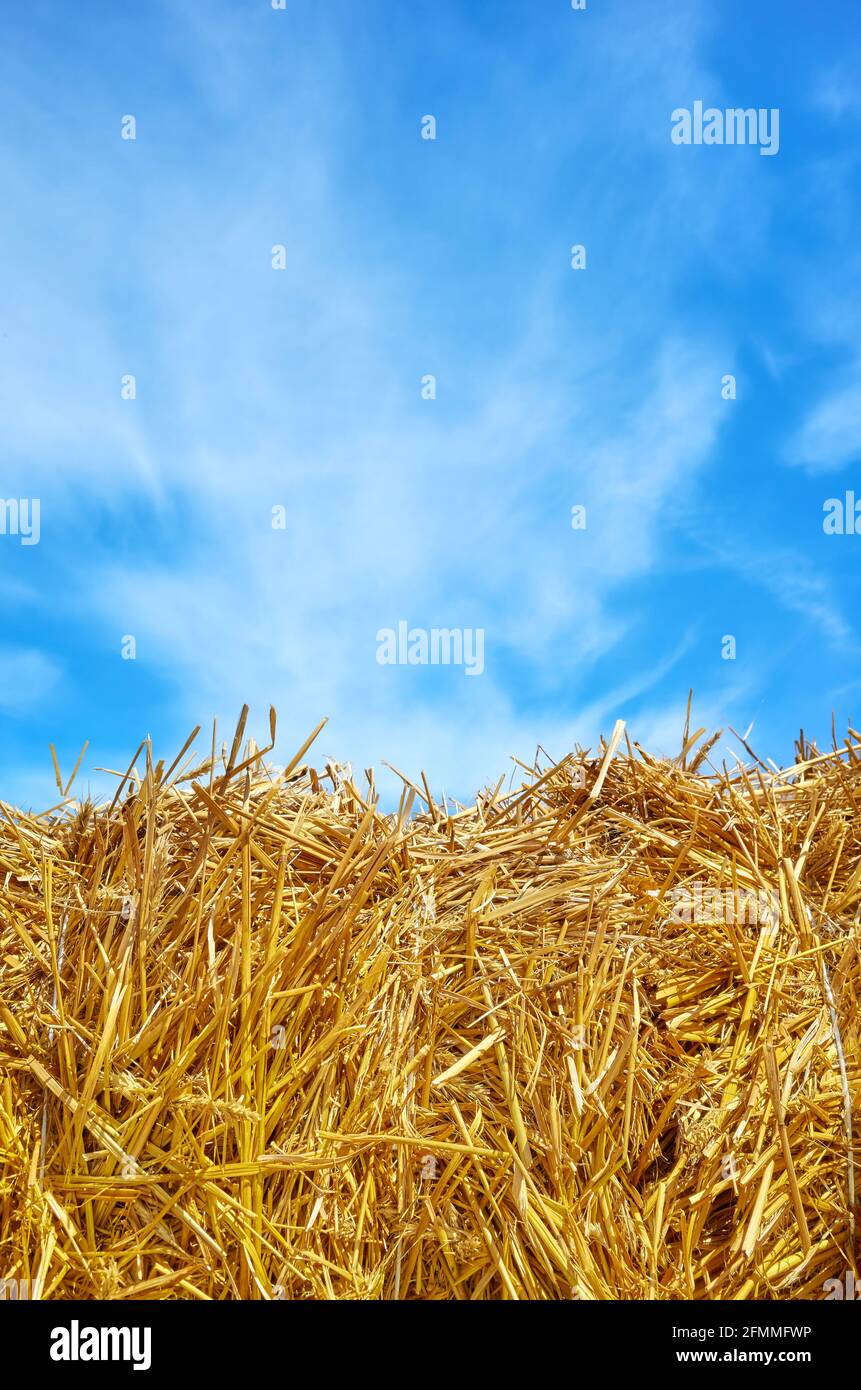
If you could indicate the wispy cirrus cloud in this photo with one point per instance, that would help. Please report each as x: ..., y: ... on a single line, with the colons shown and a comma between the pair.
x: 830, y: 435
x: 27, y: 678
x: 300, y: 388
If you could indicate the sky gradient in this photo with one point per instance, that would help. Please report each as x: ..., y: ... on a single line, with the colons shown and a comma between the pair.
x: 301, y: 388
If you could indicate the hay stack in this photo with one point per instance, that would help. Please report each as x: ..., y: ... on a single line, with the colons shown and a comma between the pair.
x: 259, y: 1040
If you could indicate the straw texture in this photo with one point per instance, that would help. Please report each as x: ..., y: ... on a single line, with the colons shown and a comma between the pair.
x: 595, y: 1036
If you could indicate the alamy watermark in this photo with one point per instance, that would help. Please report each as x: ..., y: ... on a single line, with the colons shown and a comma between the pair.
x: 845, y: 1288
x: 14, y: 1289
x: 735, y: 126
x: 439, y: 646
x: 76, y: 1343
x: 739, y: 906
x: 21, y: 517
x: 842, y: 516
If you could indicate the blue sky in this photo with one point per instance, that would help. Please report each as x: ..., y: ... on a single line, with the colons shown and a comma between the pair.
x: 301, y: 387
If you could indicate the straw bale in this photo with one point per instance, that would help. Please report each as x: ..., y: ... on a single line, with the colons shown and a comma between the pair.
x: 594, y: 1036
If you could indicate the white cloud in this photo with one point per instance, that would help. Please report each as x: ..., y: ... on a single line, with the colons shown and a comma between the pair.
x: 836, y: 92
x: 27, y: 677
x: 792, y: 579
x: 301, y: 388
x: 830, y: 436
